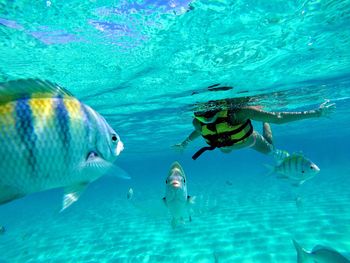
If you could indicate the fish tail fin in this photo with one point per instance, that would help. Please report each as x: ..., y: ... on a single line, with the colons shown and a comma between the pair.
x: 270, y: 169
x: 302, y: 254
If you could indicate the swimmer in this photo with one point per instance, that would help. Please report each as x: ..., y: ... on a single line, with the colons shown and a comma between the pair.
x: 227, y: 125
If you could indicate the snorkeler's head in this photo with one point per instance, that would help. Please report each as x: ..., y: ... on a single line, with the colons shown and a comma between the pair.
x: 208, y: 116
x: 207, y: 112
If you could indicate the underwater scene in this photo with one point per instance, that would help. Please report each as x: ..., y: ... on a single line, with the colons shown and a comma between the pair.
x: 175, y: 131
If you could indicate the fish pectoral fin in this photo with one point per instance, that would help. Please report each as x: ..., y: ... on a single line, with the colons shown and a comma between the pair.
x: 9, y: 193
x: 72, y: 194
x: 95, y: 166
x: 191, y: 200
x: 116, y: 171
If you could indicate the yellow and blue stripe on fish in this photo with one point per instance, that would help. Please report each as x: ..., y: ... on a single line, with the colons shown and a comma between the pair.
x: 50, y: 139
x: 24, y: 119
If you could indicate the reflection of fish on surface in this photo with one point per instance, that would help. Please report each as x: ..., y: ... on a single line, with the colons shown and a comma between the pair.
x: 48, y: 139
x: 319, y: 254
x: 176, y: 198
x: 296, y: 168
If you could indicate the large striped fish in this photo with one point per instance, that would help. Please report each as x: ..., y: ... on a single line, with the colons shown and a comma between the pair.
x: 48, y: 139
x: 296, y: 168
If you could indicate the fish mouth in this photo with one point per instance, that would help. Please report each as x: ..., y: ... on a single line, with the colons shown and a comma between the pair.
x: 316, y: 168
x: 175, y: 184
x: 119, y: 148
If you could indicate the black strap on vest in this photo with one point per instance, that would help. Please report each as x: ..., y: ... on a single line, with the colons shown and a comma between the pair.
x: 202, y: 150
x: 214, y: 137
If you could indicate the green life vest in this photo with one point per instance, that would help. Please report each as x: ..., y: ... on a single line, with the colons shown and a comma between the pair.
x: 221, y: 133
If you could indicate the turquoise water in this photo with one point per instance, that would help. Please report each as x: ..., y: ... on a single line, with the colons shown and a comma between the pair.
x: 143, y: 65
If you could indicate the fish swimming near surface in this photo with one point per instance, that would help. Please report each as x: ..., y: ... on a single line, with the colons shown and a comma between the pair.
x: 48, y: 139
x: 176, y: 198
x: 296, y: 168
x: 319, y: 254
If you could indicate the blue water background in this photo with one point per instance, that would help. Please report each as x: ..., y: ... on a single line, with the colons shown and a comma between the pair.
x: 143, y: 65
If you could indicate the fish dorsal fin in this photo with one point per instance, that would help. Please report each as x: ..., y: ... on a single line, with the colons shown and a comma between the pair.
x: 297, y: 154
x: 33, y: 88
x: 319, y: 247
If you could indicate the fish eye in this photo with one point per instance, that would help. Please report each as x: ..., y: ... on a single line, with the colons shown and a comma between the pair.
x: 166, y: 181
x: 311, y: 167
x: 184, y: 180
x: 114, y: 138
x: 303, y: 171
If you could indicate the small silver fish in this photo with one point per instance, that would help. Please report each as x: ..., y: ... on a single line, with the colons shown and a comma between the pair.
x: 296, y: 168
x: 176, y: 198
x: 130, y: 194
x: 48, y: 139
x: 319, y: 254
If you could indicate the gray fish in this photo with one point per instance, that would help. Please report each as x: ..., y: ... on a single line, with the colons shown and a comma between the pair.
x: 296, y: 168
x: 130, y: 194
x: 176, y: 198
x: 319, y: 254
x: 49, y: 139
x: 2, y: 230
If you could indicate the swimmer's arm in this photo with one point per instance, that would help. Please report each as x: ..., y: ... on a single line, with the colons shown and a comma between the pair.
x: 257, y: 114
x: 193, y: 135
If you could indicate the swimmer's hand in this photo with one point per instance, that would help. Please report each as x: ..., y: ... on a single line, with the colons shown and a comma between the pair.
x: 180, y: 147
x: 326, y: 108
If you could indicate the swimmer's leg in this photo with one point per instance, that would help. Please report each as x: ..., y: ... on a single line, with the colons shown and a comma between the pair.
x: 261, y: 144
x: 277, y: 154
x: 267, y: 132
